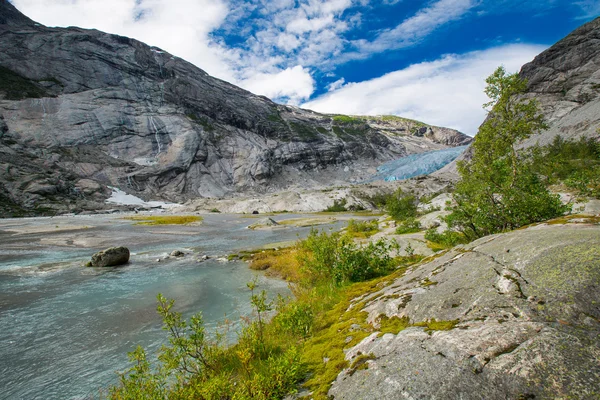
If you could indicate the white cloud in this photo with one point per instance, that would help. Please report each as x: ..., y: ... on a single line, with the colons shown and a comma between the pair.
x: 590, y: 8
x: 446, y: 92
x: 410, y: 31
x: 336, y: 85
x: 291, y: 85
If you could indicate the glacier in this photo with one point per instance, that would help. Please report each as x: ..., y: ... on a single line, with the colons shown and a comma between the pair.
x: 416, y: 164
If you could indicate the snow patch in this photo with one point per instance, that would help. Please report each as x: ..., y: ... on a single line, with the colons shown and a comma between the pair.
x: 121, y: 198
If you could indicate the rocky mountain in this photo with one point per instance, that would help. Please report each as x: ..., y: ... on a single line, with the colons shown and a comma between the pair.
x: 565, y: 80
x: 81, y: 110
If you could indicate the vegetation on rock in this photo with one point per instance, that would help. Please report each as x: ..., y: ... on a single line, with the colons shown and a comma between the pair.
x: 498, y: 190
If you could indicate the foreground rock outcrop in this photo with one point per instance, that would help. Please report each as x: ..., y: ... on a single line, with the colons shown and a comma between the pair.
x: 89, y: 106
x: 111, y: 257
x: 525, y: 307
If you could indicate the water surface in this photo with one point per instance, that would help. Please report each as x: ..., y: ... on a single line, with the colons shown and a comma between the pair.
x: 66, y: 329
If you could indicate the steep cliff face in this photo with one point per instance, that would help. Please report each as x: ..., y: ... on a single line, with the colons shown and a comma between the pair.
x: 117, y: 112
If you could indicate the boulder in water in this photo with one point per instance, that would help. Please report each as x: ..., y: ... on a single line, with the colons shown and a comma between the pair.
x: 177, y: 253
x: 110, y: 257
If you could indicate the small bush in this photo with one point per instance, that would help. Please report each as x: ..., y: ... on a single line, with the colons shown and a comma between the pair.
x: 401, y: 206
x: 362, y: 229
x: 445, y: 240
x: 410, y: 225
x: 338, y: 206
x: 336, y: 258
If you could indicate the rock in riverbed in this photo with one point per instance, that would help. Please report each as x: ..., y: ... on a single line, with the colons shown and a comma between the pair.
x: 110, y: 257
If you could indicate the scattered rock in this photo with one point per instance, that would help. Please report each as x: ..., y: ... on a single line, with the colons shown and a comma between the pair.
x: 177, y: 253
x: 110, y: 257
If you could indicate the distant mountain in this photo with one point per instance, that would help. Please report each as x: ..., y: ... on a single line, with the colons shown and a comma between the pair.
x: 82, y: 109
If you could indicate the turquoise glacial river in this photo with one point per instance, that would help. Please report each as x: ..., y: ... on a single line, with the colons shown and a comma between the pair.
x: 65, y: 330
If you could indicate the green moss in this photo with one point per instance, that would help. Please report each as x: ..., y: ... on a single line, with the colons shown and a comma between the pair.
x: 17, y: 87
x: 426, y: 282
x: 393, y: 325
x: 360, y: 362
x: 435, y: 325
x: 322, y: 130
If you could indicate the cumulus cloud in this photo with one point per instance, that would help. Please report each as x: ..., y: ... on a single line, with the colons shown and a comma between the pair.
x: 291, y: 85
x: 446, y: 92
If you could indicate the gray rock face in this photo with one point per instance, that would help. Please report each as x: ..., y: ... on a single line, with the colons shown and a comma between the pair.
x: 565, y: 79
x: 118, y: 112
x: 110, y: 257
x: 528, y: 322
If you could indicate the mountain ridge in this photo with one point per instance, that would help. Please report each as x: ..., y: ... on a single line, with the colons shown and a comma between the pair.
x: 114, y: 111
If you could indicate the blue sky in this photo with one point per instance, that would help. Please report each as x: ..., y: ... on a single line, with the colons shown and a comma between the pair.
x: 425, y: 60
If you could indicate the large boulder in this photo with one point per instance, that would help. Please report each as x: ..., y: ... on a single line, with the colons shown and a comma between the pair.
x: 110, y: 257
x: 524, y: 308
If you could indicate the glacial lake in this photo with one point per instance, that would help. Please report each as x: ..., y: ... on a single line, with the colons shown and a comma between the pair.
x: 65, y: 329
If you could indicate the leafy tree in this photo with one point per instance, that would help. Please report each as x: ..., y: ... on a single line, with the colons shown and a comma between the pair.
x: 498, y: 190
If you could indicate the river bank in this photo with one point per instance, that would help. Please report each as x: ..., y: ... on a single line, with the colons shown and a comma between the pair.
x: 67, y: 329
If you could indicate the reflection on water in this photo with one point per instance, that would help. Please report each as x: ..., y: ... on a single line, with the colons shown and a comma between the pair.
x: 65, y: 329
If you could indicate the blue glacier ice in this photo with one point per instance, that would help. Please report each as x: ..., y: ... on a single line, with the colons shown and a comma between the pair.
x: 416, y: 164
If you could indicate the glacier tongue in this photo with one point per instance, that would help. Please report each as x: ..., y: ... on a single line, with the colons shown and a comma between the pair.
x: 416, y: 164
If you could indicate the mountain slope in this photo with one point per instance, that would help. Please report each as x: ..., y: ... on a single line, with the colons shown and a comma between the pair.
x: 118, y: 112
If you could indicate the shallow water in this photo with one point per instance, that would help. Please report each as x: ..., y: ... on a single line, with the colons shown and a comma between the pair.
x: 65, y: 329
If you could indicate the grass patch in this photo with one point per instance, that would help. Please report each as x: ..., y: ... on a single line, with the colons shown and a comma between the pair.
x: 338, y: 206
x: 165, y: 219
x: 345, y: 119
x: 282, y: 263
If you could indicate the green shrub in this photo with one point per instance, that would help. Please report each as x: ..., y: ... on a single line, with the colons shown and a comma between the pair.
x: 498, y: 190
x: 410, y: 225
x: 446, y: 239
x: 401, y: 206
x: 338, y: 206
x: 362, y: 229
x: 576, y: 163
x: 337, y: 259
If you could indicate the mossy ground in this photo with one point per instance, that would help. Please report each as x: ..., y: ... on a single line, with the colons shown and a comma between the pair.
x: 165, y: 219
